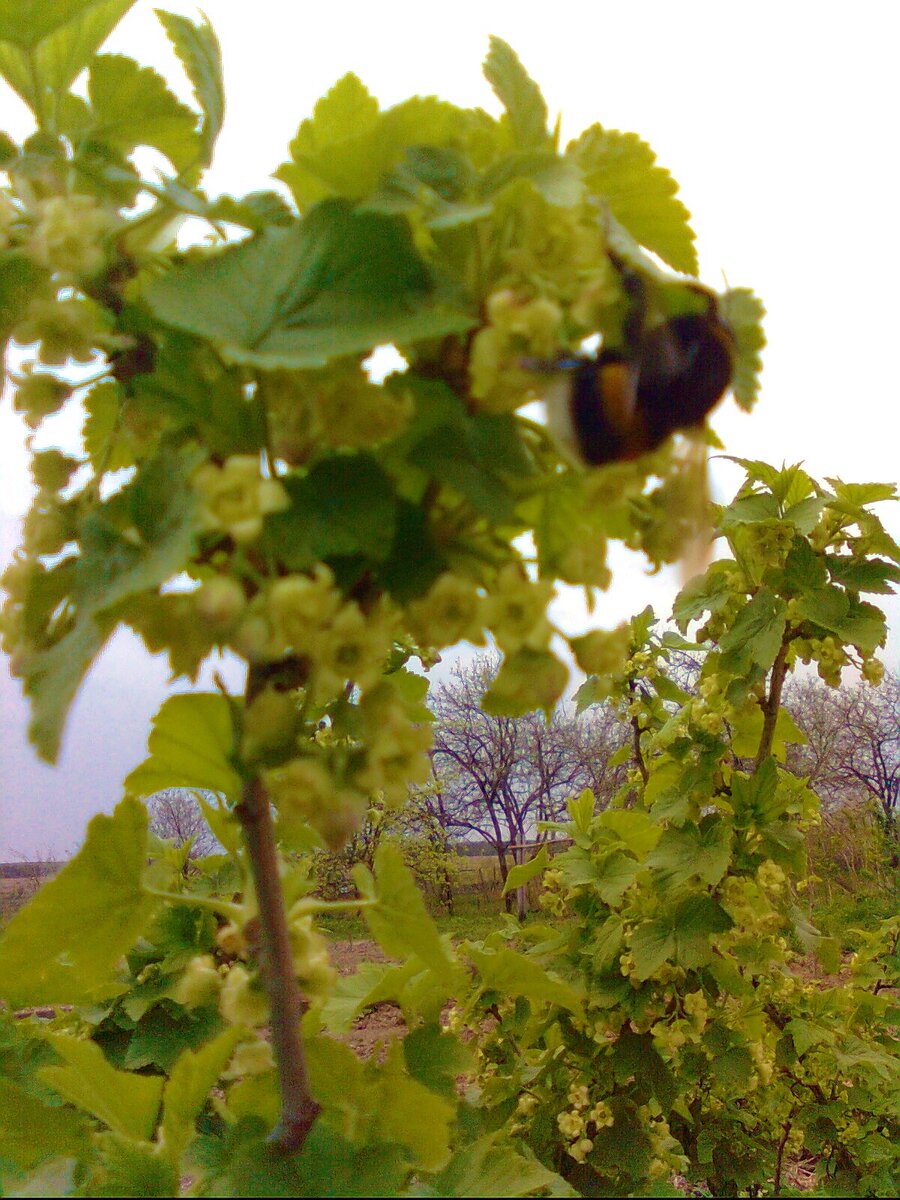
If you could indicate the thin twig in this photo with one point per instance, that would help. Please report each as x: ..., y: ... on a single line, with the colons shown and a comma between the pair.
x: 779, y: 1158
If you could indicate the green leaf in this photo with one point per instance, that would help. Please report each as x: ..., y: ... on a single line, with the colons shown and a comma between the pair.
x: 524, y: 872
x: 636, y: 829
x: 400, y: 922
x: 187, y: 1090
x: 133, y: 107
x: 682, y: 935
x: 707, y: 593
x: 338, y: 282
x: 607, y: 942
x: 803, y: 568
x: 755, y: 637
x: 241, y: 1163
x: 64, y: 946
x: 31, y: 1130
x: 45, y: 44
x: 747, y: 731
x: 518, y: 93
x: 198, y: 48
x: 437, y: 1059
x: 748, y: 510
x: 347, y: 148
x: 856, y: 622
x: 805, y: 514
x: 127, y: 1103
x: 805, y: 1034
x: 862, y: 494
x: 652, y: 944
x: 733, y: 1068
x: 581, y: 810
x: 112, y: 568
x: 132, y: 1167
x: 871, y: 575
x: 614, y: 874
x: 696, y: 920
x: 190, y: 745
x: 103, y: 439
x: 410, y: 1114
x: 622, y: 170
x: 703, y: 850
x: 346, y: 505
x: 513, y: 974
x: 20, y: 280
x: 491, y: 1167
x: 744, y: 312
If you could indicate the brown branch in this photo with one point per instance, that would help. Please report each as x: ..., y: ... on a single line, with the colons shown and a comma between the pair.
x: 772, y: 706
x: 638, y: 755
x: 779, y: 1158
x: 286, y: 1005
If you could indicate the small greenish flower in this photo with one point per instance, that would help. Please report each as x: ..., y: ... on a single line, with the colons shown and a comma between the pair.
x: 38, y: 395
x: 65, y: 329
x: 449, y: 613
x: 242, y: 1000
x: 516, y: 610
x: 234, y: 498
x: 300, y: 606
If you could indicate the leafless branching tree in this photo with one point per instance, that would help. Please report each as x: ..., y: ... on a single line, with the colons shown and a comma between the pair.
x: 853, y: 743
x: 497, y: 777
x: 176, y: 816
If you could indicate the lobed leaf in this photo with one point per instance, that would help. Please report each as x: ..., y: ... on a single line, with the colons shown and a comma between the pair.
x: 521, y: 874
x: 31, y: 1130
x: 744, y: 312
x: 112, y: 568
x: 621, y: 169
x: 46, y: 44
x: 191, y: 745
x: 491, y: 1167
x: 126, y: 1102
x: 132, y: 106
x: 64, y: 947
x: 518, y: 93
x: 201, y: 56
x: 400, y: 922
x: 338, y: 282
x: 187, y: 1090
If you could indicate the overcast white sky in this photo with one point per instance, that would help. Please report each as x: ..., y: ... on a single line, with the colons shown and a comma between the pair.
x: 778, y: 120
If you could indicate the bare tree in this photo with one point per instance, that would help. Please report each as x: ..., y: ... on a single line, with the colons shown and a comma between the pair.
x: 176, y: 816
x: 853, y: 743
x: 497, y: 777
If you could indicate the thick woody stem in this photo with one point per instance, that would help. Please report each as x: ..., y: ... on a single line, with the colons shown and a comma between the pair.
x: 286, y: 1005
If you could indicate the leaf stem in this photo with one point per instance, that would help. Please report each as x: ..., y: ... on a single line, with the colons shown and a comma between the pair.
x: 222, y: 908
x: 286, y: 1005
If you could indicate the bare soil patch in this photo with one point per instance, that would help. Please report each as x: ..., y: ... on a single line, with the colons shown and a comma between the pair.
x: 379, y: 1025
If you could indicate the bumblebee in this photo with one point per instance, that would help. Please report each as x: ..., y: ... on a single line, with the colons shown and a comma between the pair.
x: 660, y: 380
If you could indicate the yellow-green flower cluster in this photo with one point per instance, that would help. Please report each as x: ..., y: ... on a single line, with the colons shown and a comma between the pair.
x: 305, y: 792
x: 397, y: 749
x: 67, y: 237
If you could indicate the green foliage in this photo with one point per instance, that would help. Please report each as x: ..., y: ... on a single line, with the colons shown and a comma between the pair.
x: 698, y: 1041
x: 278, y: 503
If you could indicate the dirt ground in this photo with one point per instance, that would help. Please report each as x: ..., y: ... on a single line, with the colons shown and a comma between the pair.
x: 379, y: 1025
